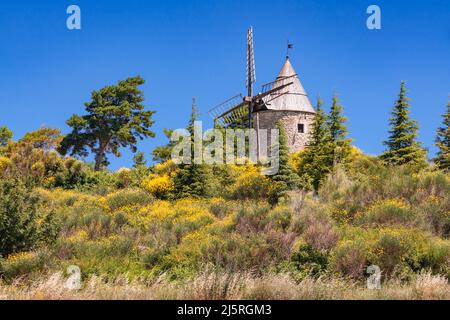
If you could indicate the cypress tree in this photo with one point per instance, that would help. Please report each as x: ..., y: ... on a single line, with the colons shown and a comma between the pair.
x: 442, y: 159
x: 192, y: 180
x: 319, y: 133
x: 339, y: 143
x: 316, y: 161
x: 402, y: 145
x: 285, y: 178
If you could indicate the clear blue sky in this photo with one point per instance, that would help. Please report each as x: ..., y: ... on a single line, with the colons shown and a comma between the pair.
x: 186, y: 48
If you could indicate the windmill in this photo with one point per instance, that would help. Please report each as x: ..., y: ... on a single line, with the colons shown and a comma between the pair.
x: 238, y: 110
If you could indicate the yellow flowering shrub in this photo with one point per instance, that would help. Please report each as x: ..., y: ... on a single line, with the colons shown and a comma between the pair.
x: 4, y: 164
x: 167, y: 167
x: 159, y: 186
x: 24, y: 263
x: 128, y: 198
x: 183, y: 215
x: 249, y: 182
x: 125, y: 177
x: 388, y: 212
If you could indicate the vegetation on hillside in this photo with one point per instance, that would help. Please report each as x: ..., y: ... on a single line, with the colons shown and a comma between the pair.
x: 222, y: 231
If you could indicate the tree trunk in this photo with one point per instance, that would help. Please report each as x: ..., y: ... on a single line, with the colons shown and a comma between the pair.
x: 98, y: 161
x: 100, y: 153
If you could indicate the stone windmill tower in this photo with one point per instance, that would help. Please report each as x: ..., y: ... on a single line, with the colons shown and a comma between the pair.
x: 283, y: 100
x: 290, y: 105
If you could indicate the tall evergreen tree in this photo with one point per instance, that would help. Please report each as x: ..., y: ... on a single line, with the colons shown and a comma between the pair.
x: 442, y: 159
x: 316, y: 161
x: 402, y: 145
x: 5, y: 136
x: 319, y: 134
x: 339, y: 143
x: 192, y: 180
x: 285, y: 178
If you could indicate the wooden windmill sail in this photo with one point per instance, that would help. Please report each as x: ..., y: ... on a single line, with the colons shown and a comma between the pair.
x: 238, y: 110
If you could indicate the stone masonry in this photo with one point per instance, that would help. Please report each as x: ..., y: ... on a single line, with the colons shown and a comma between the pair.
x: 291, y: 120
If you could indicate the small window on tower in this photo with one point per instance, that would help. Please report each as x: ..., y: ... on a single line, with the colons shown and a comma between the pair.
x: 301, y: 128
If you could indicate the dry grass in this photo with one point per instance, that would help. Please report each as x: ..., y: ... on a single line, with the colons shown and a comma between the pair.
x: 223, y: 286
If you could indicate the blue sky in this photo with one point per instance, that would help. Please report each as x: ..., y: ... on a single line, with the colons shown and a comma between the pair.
x: 197, y: 48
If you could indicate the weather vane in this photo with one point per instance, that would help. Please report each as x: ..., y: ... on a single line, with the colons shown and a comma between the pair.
x: 289, y: 46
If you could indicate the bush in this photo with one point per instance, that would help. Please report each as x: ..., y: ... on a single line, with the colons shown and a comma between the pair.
x: 124, y: 177
x: 248, y: 184
x: 308, y: 261
x: 22, y: 227
x: 159, y: 186
x: 316, y: 226
x: 280, y: 217
x: 74, y: 175
x: 321, y: 236
x: 221, y: 208
x: 23, y: 263
x: 388, y: 212
x: 252, y: 218
x: 436, y: 213
x: 349, y: 259
x: 128, y: 197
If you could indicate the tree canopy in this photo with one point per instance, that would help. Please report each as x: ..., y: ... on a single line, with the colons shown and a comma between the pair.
x: 44, y: 138
x: 339, y: 143
x: 285, y: 178
x: 5, y: 136
x: 115, y: 118
x: 192, y: 180
x: 442, y: 159
x: 402, y: 145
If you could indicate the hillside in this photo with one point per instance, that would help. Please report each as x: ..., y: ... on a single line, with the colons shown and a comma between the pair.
x: 131, y: 240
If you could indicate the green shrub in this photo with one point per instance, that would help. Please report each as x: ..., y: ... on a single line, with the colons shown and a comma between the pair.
x: 308, y: 261
x: 252, y: 217
x: 436, y: 213
x: 22, y: 227
x: 349, y: 259
x: 24, y: 263
x: 221, y: 208
x: 389, y: 212
x: 128, y: 197
x: 280, y: 217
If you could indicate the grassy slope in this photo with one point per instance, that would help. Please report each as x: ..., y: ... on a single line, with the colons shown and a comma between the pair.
x: 131, y: 245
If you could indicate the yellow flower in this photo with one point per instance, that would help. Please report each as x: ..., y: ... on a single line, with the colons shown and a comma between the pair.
x: 4, y: 164
x: 159, y: 186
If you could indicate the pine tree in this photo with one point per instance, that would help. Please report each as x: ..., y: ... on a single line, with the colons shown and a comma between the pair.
x: 339, y: 143
x: 320, y: 132
x: 115, y: 118
x: 5, y: 136
x: 139, y: 160
x: 285, y: 178
x: 164, y: 153
x: 442, y: 159
x: 316, y: 161
x: 192, y: 180
x: 402, y: 146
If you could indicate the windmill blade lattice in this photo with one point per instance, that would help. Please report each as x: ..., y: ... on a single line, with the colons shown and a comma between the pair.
x: 223, y: 112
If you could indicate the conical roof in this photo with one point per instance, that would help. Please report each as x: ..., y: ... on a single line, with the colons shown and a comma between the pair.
x: 293, y: 97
